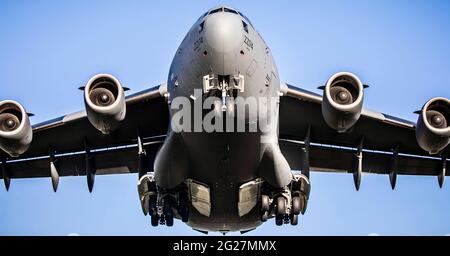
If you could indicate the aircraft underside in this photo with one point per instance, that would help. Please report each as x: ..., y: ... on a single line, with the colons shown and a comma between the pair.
x: 224, y: 188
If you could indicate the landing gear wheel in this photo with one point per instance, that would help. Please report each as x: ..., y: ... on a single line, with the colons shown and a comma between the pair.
x: 294, y: 219
x: 153, y: 212
x: 281, y: 206
x: 154, y: 219
x: 152, y: 204
x: 184, y: 213
x: 265, y: 216
x: 169, y: 221
x: 185, y: 216
x: 265, y: 203
x: 168, y: 213
x: 279, y: 220
x: 296, y: 205
x: 184, y: 209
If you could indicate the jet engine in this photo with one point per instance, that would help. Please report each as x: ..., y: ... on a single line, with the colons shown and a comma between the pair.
x: 342, y: 103
x: 16, y: 133
x: 433, y: 125
x: 104, y: 99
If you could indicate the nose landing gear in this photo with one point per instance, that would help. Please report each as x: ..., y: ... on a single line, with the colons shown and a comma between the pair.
x: 163, y: 205
x: 225, y: 84
x: 286, y: 204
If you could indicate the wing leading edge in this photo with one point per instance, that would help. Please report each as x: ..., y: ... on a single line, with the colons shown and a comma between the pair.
x: 387, y: 144
x: 64, y: 144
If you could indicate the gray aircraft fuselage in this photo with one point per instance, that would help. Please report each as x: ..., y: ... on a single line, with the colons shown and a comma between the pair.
x: 223, y: 44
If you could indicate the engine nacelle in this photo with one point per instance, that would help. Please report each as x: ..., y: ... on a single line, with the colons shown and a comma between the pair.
x: 104, y: 99
x: 433, y: 125
x: 343, y: 97
x: 16, y: 133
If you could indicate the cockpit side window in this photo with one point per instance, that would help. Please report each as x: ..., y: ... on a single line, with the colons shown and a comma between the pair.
x: 245, y: 26
x: 202, y: 25
x: 202, y: 17
x: 245, y: 18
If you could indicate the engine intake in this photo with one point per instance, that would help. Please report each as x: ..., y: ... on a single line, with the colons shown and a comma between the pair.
x: 342, y: 103
x: 104, y: 100
x: 16, y: 133
x: 433, y: 125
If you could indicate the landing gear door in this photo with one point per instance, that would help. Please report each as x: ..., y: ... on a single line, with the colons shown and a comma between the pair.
x: 199, y: 195
x: 248, y: 196
x: 210, y: 83
x: 238, y: 83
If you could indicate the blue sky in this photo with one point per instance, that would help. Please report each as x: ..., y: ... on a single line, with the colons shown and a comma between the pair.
x: 50, y: 48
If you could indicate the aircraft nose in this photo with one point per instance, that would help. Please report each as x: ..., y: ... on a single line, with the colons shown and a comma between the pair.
x: 223, y: 32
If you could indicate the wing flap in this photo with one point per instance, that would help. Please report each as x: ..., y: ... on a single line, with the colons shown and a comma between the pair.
x: 107, y: 161
x: 326, y: 158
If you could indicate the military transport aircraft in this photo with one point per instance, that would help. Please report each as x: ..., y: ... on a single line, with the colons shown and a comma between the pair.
x: 215, y: 179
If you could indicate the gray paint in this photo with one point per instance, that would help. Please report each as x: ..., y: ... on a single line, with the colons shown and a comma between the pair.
x: 224, y: 161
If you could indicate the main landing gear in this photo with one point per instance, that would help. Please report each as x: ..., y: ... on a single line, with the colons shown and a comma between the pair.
x: 163, y: 205
x: 286, y: 204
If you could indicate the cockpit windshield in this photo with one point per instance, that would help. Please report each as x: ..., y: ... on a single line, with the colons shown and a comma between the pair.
x: 216, y: 11
x: 229, y: 10
x: 225, y: 9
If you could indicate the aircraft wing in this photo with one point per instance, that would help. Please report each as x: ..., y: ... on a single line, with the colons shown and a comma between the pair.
x: 65, y: 140
x: 388, y: 144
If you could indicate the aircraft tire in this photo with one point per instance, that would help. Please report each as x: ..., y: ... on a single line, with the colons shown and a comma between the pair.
x: 294, y: 219
x: 168, y: 214
x: 281, y: 206
x: 279, y: 220
x: 154, y: 220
